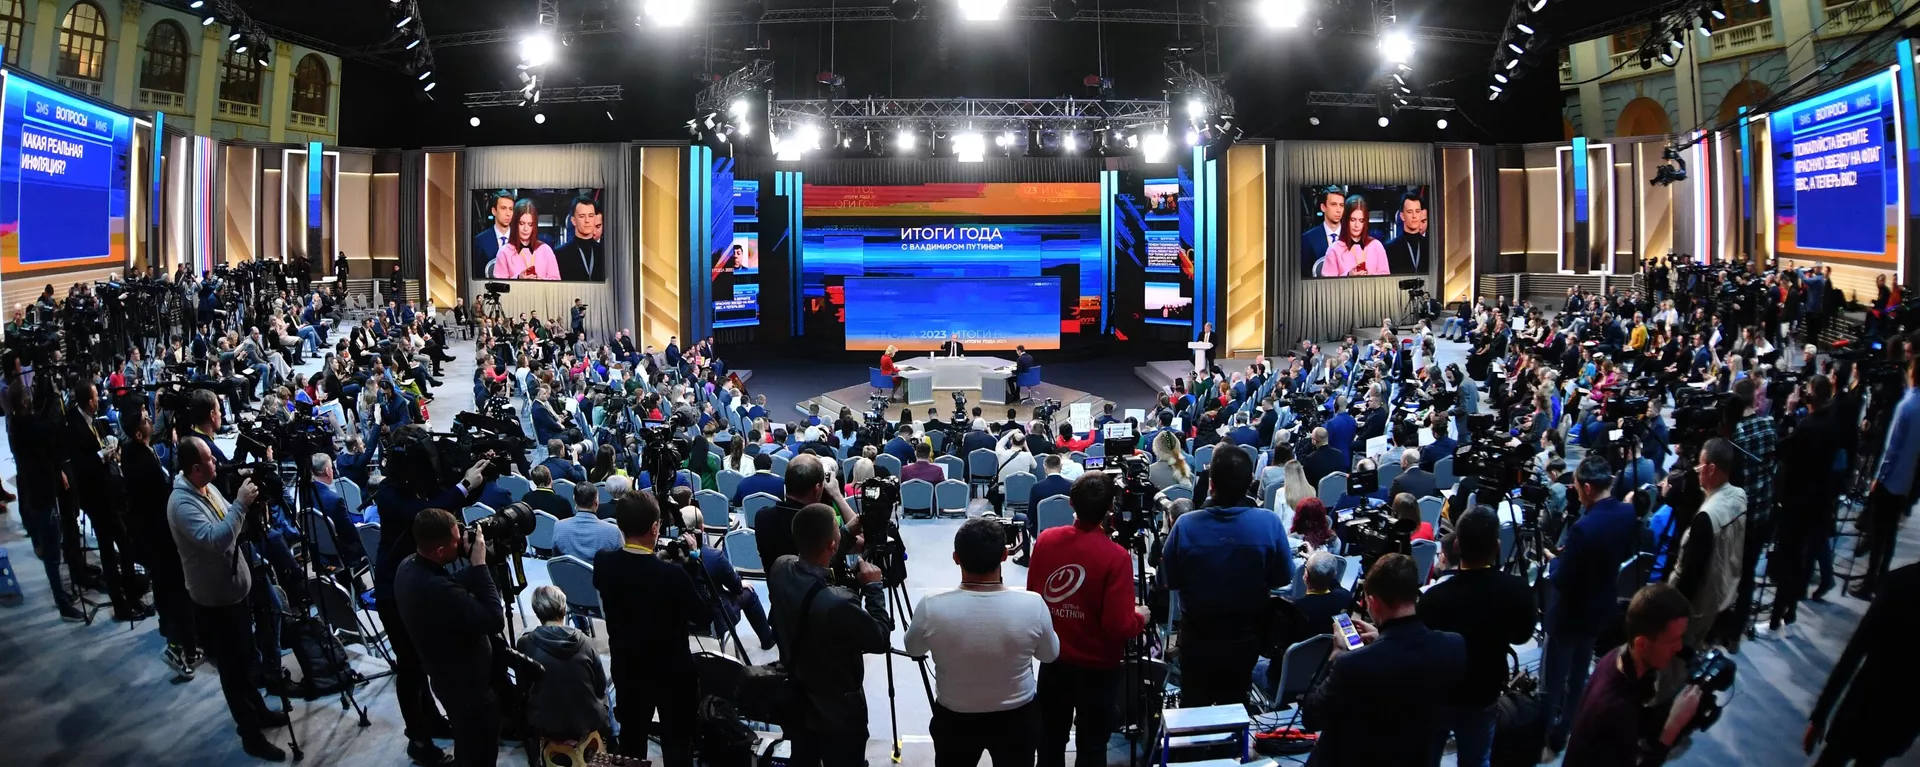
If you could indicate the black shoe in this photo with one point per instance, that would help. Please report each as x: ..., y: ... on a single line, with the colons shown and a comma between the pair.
x: 1861, y: 592
x: 72, y: 614
x: 1820, y: 594
x: 133, y: 613
x: 426, y: 754
x: 273, y: 719
x: 258, y: 747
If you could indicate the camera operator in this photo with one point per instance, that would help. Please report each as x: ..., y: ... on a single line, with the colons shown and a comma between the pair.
x: 1616, y: 726
x: 148, y: 488
x: 1808, y: 495
x: 30, y: 426
x: 1087, y: 580
x: 90, y: 470
x: 1492, y: 611
x: 806, y: 483
x: 457, y: 615
x: 737, y: 598
x: 1581, y: 600
x: 649, y: 605
x: 1710, y: 567
x: 207, y: 530
x: 1373, y: 705
x: 1223, y: 560
x: 824, y: 628
x: 1862, y: 713
x: 1891, y: 495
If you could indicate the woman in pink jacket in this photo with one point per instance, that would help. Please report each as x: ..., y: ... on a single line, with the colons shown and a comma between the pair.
x: 1356, y: 252
x: 525, y: 257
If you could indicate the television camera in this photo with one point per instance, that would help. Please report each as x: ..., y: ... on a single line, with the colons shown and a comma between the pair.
x: 1045, y: 412
x: 878, y: 498
x: 662, y: 451
x: 1134, y: 510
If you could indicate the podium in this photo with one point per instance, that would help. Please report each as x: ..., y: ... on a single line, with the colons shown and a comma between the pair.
x: 1200, y: 349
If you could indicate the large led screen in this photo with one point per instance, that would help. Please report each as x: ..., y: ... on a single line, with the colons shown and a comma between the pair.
x: 1364, y: 230
x: 916, y: 312
x: 1836, y: 185
x: 63, y: 181
x: 736, y: 238
x: 539, y: 234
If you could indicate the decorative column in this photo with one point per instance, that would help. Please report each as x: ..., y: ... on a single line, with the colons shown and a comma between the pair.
x: 206, y: 79
x: 1794, y: 21
x: 1588, y: 62
x: 46, y: 38
x: 126, y: 70
x: 278, y: 100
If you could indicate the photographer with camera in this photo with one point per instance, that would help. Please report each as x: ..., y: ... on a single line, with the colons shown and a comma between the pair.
x: 1223, y: 559
x: 1581, y: 599
x: 1493, y: 611
x: 806, y: 484
x: 649, y: 604
x: 456, y: 614
x: 736, y: 597
x: 1088, y: 583
x: 207, y: 530
x: 1616, y: 724
x: 824, y: 627
x: 1890, y: 498
x: 1808, y: 499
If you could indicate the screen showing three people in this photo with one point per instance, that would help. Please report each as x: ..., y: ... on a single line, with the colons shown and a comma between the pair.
x: 1364, y: 230
x: 539, y: 234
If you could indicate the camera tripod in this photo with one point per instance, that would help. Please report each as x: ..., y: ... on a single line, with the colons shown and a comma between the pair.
x: 885, y: 552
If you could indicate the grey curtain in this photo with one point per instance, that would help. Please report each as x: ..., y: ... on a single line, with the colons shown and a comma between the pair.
x: 604, y: 166
x: 1325, y: 309
x: 413, y: 238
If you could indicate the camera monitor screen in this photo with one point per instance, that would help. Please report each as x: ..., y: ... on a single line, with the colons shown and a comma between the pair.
x: 553, y: 235
x: 1363, y: 230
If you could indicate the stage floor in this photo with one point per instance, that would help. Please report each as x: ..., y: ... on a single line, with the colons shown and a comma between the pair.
x: 855, y: 397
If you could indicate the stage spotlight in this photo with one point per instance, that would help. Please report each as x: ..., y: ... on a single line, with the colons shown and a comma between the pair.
x: 1511, y: 63
x: 1524, y: 28
x: 738, y: 108
x: 403, y: 22
x: 1193, y: 137
x: 1003, y: 140
x: 1718, y: 10
x: 1396, y: 46
x: 1704, y: 30
x: 1535, y: 5
x: 669, y: 13
x: 904, y: 140
x: 234, y: 36
x: 1440, y: 123
x: 981, y: 10
x: 905, y: 10
x: 474, y: 121
x: 1679, y: 40
x: 207, y: 22
x: 1196, y: 108
x: 195, y: 5
x: 809, y: 137
x: 429, y: 88
x: 1667, y: 58
x: 1069, y: 142
x: 1064, y: 10
x: 1495, y: 88
x: 242, y: 48
x: 1282, y: 13
x: 536, y: 49
x: 423, y: 75
x: 539, y: 118
x: 1499, y: 78
x: 1515, y: 47
x: 1383, y: 121
x: 969, y: 147
x: 1154, y: 147
x: 743, y: 128
x: 1313, y: 119
x: 414, y: 43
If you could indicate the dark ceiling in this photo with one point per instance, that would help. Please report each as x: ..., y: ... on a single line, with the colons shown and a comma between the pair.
x: 1267, y: 71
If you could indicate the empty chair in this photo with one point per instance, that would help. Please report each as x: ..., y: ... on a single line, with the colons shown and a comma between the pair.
x: 891, y: 464
x: 1430, y: 507
x: 1018, y: 489
x: 1333, y: 486
x: 476, y: 512
x: 916, y: 498
x: 743, y: 549
x: 323, y: 542
x: 1095, y: 450
x: 950, y: 498
x: 336, y: 609
x: 1054, y: 511
x: 1424, y: 552
x: 727, y: 481
x: 1389, y: 473
x: 606, y: 495
x: 516, y: 486
x: 1178, y: 491
x: 1443, y: 473
x: 1078, y: 457
x: 1299, y: 667
x: 780, y: 465
x: 369, y: 537
x: 349, y: 490
x: 542, y: 538
x: 752, y: 505
x: 713, y: 511
x: 953, y: 465
x: 564, y: 489
x: 1203, y: 456
x: 575, y: 579
x: 1276, y: 494
x: 982, y: 468
x: 938, y: 440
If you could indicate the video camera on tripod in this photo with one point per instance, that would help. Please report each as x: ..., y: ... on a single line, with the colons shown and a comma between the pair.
x: 1134, y: 509
x: 879, y: 497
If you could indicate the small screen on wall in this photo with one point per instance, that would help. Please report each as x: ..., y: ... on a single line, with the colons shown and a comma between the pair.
x: 1836, y: 175
x: 63, y: 181
x: 539, y: 234
x: 1362, y: 230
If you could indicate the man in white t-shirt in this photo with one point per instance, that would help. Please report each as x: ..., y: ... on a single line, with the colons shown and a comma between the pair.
x: 983, y: 638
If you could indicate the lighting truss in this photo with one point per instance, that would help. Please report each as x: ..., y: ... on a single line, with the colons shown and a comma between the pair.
x: 583, y: 94
x: 1184, y: 80
x: 719, y: 96
x: 983, y: 114
x: 1372, y: 101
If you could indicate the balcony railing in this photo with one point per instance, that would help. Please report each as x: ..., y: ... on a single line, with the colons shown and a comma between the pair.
x: 81, y: 85
x: 240, y: 109
x: 1566, y: 71
x: 1744, y: 38
x: 305, y: 120
x: 162, y: 99
x: 1857, y: 16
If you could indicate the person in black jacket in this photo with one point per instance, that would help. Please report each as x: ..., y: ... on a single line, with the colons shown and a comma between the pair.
x: 1360, y: 717
x: 457, y: 615
x: 39, y: 483
x: 1490, y: 610
x: 1807, y: 496
x: 570, y: 700
x: 1861, y: 713
x: 649, y: 603
x: 148, y: 486
x: 823, y: 629
x: 87, y: 470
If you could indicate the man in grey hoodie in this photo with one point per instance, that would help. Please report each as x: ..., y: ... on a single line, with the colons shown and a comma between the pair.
x: 571, y: 698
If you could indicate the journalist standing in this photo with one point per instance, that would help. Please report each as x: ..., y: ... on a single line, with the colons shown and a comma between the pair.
x: 649, y: 605
x: 1709, y: 571
x: 823, y: 629
x: 207, y: 530
x: 983, y: 639
x: 1891, y: 496
x: 1807, y: 495
x: 1616, y: 725
x: 1755, y: 436
x: 1222, y: 561
x: 1580, y: 597
x: 1086, y: 580
x: 1492, y: 611
x: 457, y: 614
x: 149, y: 489
x: 1863, y: 712
x: 91, y: 471
x: 40, y: 483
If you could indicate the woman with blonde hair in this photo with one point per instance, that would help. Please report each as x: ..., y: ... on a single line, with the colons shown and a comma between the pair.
x: 1294, y: 485
x: 1166, y: 451
x: 859, y: 470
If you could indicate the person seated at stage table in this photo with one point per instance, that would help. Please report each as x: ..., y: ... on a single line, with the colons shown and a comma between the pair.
x: 952, y: 347
x: 1022, y: 362
x: 762, y: 480
x: 1355, y: 252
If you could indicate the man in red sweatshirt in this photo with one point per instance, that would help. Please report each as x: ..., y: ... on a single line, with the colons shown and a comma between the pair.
x: 1087, y: 581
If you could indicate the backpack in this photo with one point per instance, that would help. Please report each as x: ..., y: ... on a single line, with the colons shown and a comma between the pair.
x: 323, y: 660
x: 1519, y: 723
x: 724, y: 740
x: 769, y: 692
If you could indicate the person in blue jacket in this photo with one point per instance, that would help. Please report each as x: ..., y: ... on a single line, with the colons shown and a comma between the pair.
x: 1223, y: 560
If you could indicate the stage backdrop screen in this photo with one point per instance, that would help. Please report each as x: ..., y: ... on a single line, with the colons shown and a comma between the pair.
x: 736, y: 243
x: 539, y: 234
x: 63, y: 181
x: 1836, y: 188
x: 946, y: 236
x: 1364, y: 230
x: 917, y: 312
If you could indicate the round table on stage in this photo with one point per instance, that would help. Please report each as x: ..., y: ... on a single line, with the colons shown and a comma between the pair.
x: 987, y: 375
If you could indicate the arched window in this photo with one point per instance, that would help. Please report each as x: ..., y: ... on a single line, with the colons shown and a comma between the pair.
x: 310, y: 84
x: 13, y: 23
x: 239, y: 77
x: 83, y: 42
x: 166, y: 65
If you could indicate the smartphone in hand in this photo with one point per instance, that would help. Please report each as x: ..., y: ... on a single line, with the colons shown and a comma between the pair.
x: 1348, y: 633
